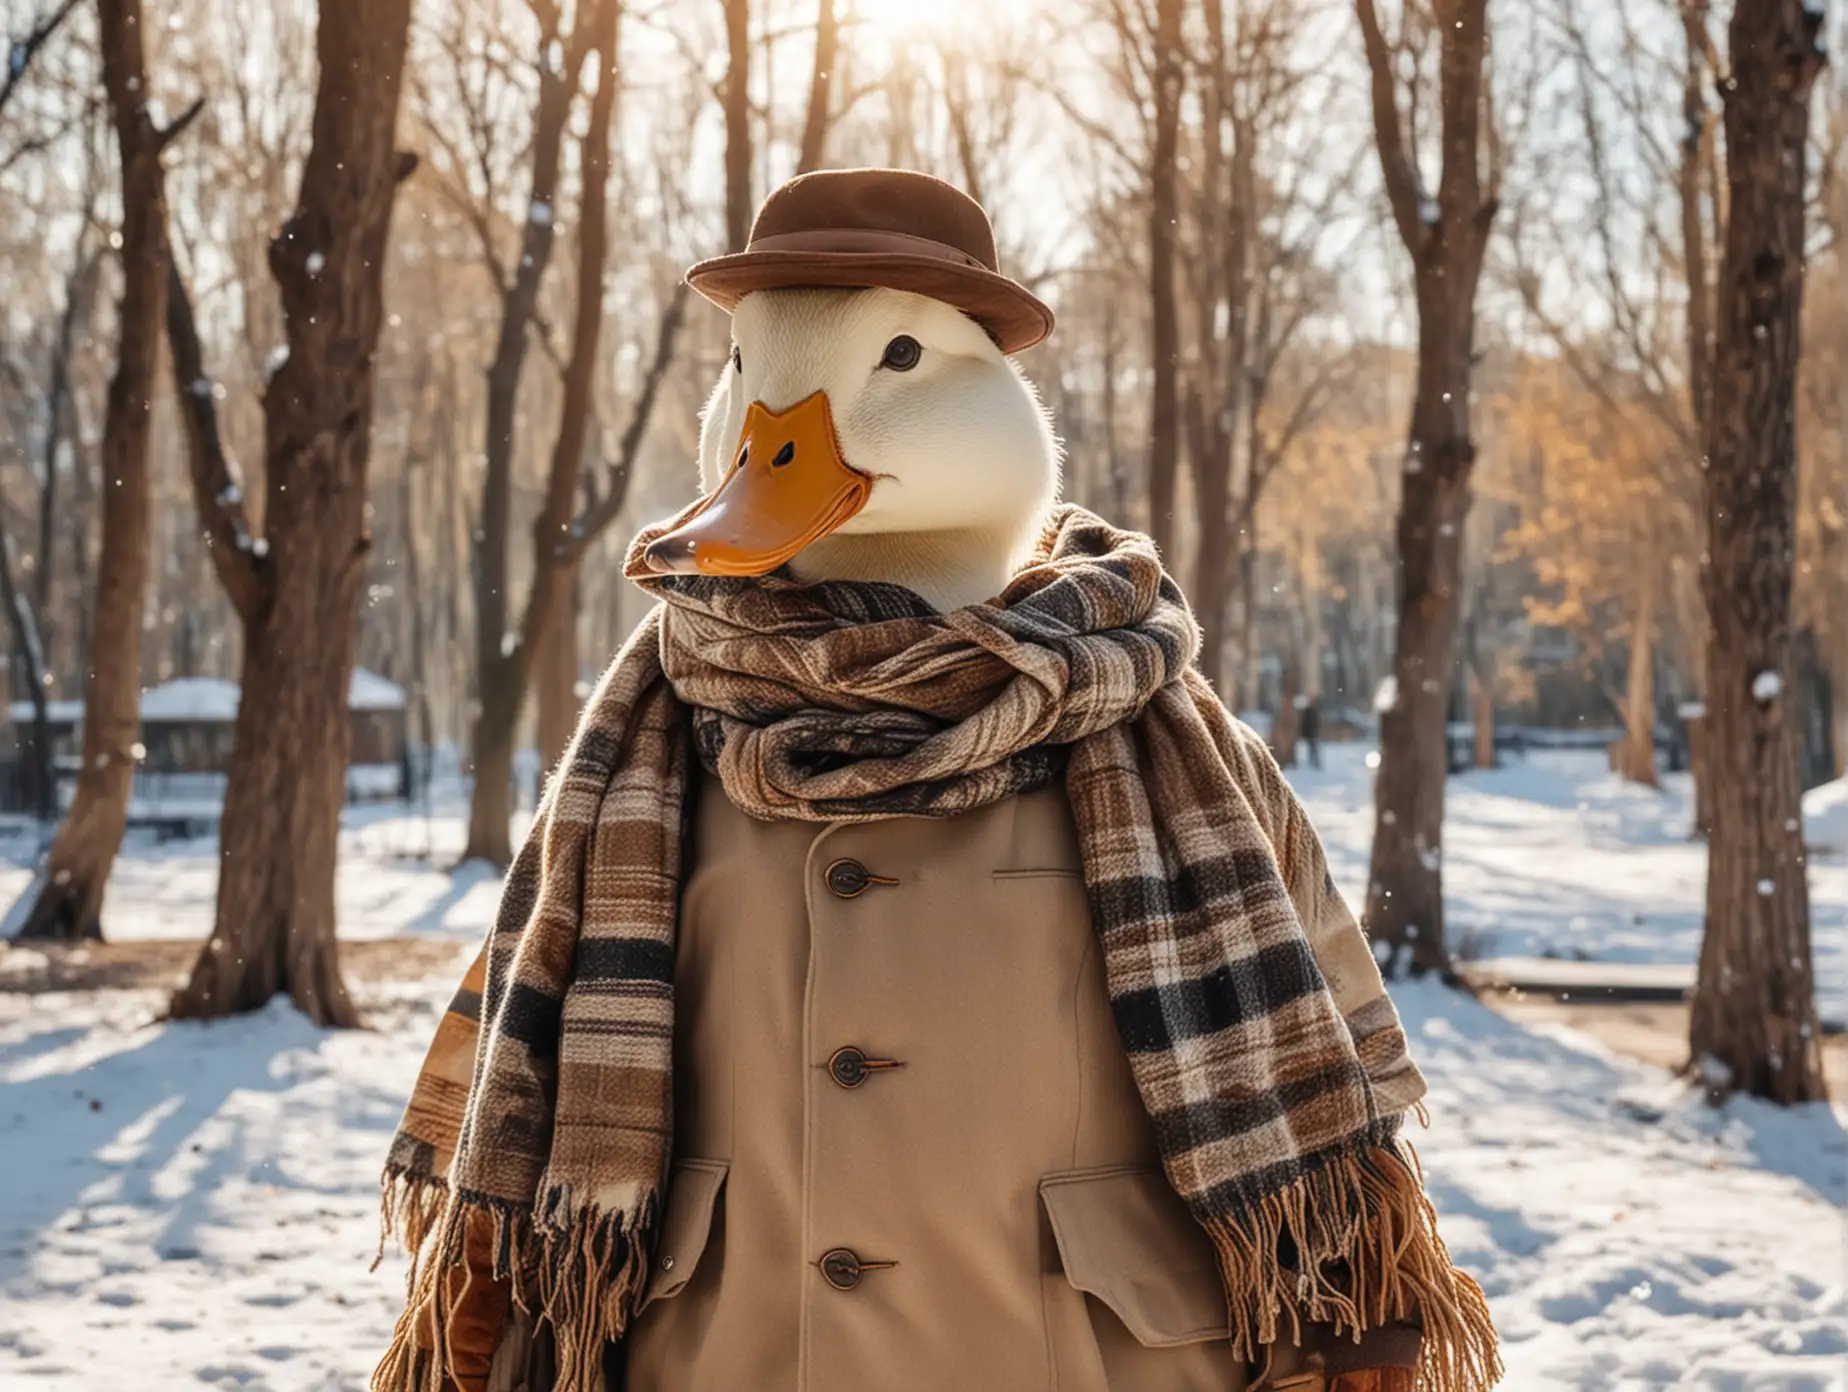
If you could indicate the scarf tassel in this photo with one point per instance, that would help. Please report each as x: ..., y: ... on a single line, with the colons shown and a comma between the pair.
x: 1369, y: 1254
x: 580, y: 1270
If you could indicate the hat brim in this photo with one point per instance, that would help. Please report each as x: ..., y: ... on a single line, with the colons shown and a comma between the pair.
x: 1012, y: 314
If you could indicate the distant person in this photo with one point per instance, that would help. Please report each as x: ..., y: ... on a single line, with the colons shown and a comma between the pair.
x: 1309, y: 728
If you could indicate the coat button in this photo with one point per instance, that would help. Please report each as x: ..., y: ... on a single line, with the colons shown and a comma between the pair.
x: 842, y: 1269
x: 848, y: 879
x: 848, y: 1067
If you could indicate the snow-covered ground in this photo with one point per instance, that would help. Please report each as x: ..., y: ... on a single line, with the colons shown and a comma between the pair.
x: 184, y: 1205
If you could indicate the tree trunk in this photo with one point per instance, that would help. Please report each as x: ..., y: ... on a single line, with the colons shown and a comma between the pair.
x: 821, y: 84
x: 1286, y: 727
x: 1213, y: 466
x: 280, y: 829
x: 1445, y: 237
x: 489, y: 809
x: 41, y: 788
x: 1483, y: 697
x: 1752, y: 1023
x: 1164, y: 322
x: 1692, y: 187
x: 737, y: 124
x: 1250, y: 678
x: 70, y: 900
x: 1405, y: 900
x: 57, y: 407
x: 558, y: 679
x: 1639, y: 714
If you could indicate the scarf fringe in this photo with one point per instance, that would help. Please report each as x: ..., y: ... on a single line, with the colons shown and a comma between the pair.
x: 409, y: 1206
x: 579, y: 1270
x: 1368, y: 1254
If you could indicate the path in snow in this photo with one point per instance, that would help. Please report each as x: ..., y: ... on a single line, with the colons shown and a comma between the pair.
x: 187, y: 1205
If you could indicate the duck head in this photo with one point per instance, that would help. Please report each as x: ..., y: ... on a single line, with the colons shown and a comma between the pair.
x: 867, y: 434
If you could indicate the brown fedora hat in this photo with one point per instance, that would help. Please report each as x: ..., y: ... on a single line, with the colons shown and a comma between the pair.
x: 894, y: 228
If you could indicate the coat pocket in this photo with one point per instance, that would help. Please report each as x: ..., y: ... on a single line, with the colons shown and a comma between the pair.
x: 693, y: 1192
x: 1125, y: 1237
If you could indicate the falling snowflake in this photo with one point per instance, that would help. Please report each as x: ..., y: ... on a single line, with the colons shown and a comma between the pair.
x: 316, y: 263
x: 541, y: 214
x: 1386, y: 697
x: 1767, y: 686
x: 1767, y: 888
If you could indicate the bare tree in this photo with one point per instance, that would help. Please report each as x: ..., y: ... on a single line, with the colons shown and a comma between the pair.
x: 279, y: 833
x: 1753, y: 1024
x: 547, y: 626
x: 1648, y: 361
x: 562, y: 531
x: 1445, y: 235
x: 1164, y: 319
x: 30, y: 616
x: 560, y: 70
x: 70, y: 899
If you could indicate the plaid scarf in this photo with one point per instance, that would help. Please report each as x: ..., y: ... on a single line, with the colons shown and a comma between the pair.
x: 1263, y: 1044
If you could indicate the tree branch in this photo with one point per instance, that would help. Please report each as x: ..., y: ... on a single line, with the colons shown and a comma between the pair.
x: 603, y: 510
x: 1398, y: 166
x: 175, y: 128
x: 218, y: 495
x: 21, y: 52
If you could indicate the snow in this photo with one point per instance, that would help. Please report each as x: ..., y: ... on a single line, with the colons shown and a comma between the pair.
x: 1767, y: 686
x: 191, y: 698
x: 1825, y: 818
x: 57, y: 712
x: 368, y: 691
x: 1387, y: 696
x: 316, y: 263
x: 191, y: 1204
x: 1557, y: 976
x: 214, y: 699
x: 1554, y: 856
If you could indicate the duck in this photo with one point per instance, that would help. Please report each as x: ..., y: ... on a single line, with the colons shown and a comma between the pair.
x: 962, y: 1187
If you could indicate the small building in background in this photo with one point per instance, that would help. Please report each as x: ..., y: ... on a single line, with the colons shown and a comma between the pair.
x: 188, y: 728
x: 378, y: 764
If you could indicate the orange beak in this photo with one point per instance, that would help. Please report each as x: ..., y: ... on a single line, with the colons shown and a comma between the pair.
x: 786, y: 487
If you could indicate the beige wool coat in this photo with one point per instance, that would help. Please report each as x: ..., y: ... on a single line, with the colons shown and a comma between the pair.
x: 909, y: 1153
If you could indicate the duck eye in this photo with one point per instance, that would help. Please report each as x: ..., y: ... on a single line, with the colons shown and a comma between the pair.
x: 902, y: 354
x: 737, y: 359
